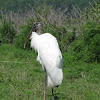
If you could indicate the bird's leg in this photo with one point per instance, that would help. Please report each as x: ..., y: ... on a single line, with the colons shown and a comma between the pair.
x: 45, y: 84
x: 52, y: 94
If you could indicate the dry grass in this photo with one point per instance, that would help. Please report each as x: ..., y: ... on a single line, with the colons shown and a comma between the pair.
x: 48, y: 15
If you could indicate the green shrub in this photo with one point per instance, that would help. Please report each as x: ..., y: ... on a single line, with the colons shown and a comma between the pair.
x: 7, y: 32
x: 20, y: 38
x: 91, y: 34
x: 88, y: 48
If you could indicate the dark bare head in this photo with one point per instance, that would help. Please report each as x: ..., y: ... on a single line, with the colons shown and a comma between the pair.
x: 37, y: 27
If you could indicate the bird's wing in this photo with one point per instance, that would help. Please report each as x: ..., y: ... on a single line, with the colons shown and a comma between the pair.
x: 49, y: 50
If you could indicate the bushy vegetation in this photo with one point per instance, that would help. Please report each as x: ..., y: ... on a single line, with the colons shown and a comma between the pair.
x: 20, y: 38
x: 87, y: 46
x: 7, y: 32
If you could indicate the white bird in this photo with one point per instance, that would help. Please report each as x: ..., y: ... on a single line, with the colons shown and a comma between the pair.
x: 49, y: 56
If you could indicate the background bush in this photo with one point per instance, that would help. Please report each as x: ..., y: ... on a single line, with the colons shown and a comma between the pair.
x: 87, y: 46
x: 7, y: 32
x: 21, y: 38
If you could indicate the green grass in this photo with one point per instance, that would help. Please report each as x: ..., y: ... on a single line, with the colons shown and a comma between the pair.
x: 23, y: 78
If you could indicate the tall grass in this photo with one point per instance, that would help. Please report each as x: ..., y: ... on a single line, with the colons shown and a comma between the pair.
x: 48, y: 15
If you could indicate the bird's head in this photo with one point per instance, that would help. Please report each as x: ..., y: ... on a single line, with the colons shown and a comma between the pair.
x: 37, y: 27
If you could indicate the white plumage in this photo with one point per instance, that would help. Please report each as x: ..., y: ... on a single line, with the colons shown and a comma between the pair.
x: 49, y: 56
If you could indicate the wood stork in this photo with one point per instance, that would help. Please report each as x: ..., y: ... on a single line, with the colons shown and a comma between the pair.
x: 49, y: 56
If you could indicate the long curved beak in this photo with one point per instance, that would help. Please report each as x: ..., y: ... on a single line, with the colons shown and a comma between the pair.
x: 27, y: 38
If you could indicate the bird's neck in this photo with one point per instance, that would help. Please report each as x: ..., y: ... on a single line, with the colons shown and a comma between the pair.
x: 39, y: 32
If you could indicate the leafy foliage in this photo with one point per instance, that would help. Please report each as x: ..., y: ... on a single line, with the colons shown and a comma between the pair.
x: 92, y: 41
x: 20, y: 38
x: 88, y: 47
x: 7, y: 32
